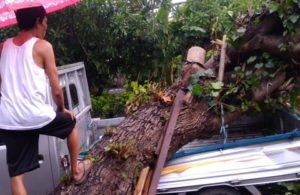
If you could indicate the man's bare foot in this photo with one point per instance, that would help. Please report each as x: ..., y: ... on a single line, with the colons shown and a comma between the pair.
x: 83, y: 168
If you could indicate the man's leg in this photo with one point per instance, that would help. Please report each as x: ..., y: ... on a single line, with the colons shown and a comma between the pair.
x: 73, y: 146
x: 22, y: 157
x: 17, y: 185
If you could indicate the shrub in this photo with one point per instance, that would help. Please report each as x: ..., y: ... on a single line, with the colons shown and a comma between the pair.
x: 134, y: 95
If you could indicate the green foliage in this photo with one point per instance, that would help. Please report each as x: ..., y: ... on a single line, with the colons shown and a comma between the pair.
x: 67, y: 179
x: 211, y: 18
x: 124, y: 175
x: 92, y: 158
x: 115, y: 36
x: 134, y: 95
x: 129, y: 37
x: 141, y: 94
x: 281, y: 188
x: 121, y: 150
x: 8, y: 32
x: 288, y: 100
x: 108, y: 105
x: 292, y: 187
x: 250, y: 75
x: 250, y: 105
x: 288, y: 12
x: 209, y: 89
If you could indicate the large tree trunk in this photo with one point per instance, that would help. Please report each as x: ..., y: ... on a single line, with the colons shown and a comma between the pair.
x: 124, y: 151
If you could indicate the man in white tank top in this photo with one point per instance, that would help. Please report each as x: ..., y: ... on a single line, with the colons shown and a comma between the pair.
x: 26, y: 60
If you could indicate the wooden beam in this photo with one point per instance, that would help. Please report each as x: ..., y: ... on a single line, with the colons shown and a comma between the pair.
x: 169, y: 129
x: 142, y: 179
x: 222, y: 60
x: 147, y: 183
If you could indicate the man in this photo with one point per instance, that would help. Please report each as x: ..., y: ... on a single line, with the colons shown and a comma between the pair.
x: 27, y: 63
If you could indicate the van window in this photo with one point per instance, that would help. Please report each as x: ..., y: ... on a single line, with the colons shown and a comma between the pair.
x: 74, y: 95
x: 66, y: 102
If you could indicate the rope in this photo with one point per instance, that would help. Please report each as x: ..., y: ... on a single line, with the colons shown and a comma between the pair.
x: 223, y: 126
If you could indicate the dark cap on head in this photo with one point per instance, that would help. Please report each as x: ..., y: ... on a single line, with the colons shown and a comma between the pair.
x: 26, y: 17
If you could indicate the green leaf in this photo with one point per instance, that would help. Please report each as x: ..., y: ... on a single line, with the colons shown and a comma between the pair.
x: 232, y: 90
x: 162, y: 15
x: 266, y: 55
x: 107, y: 148
x: 241, y: 30
x: 246, y: 85
x: 190, y: 87
x: 197, y: 29
x: 273, y: 7
x: 255, y: 106
x: 259, y: 65
x: 197, y: 90
x: 200, y: 73
x: 249, y: 72
x: 256, y: 20
x: 230, y: 108
x: 193, y: 79
x: 216, y: 84
x: 269, y: 64
x: 291, y: 44
x: 230, y: 13
x: 124, y: 175
x: 214, y: 93
x: 237, y: 68
x: 251, y: 59
x: 209, y: 72
x: 282, y: 48
x: 235, y: 37
x: 244, y: 107
x: 294, y: 18
x: 272, y: 75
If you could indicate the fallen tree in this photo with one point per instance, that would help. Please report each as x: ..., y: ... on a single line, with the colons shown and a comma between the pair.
x: 264, y: 69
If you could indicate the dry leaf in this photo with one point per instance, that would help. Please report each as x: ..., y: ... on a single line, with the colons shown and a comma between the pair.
x: 166, y: 98
x: 160, y: 93
x: 219, y: 41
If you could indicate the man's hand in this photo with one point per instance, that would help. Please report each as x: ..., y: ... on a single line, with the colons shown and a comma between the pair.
x: 69, y: 113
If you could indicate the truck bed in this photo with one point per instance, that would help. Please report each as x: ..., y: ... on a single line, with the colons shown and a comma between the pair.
x: 250, y: 159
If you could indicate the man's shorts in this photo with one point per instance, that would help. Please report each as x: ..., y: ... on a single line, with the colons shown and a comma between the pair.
x: 22, y: 146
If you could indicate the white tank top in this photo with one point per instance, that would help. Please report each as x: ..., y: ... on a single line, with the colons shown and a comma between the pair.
x: 24, y: 101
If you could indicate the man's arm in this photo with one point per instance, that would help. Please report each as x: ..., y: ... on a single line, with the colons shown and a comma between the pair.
x: 46, y: 58
x: 43, y: 55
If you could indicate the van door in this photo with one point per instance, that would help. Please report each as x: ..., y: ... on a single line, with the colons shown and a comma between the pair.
x: 41, y: 180
x: 72, y: 79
